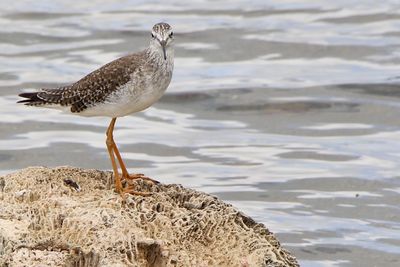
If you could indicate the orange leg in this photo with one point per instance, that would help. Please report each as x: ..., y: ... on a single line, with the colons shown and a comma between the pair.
x: 125, y: 173
x: 113, y: 152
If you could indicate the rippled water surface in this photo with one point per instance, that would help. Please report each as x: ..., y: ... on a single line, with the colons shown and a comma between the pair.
x: 287, y: 109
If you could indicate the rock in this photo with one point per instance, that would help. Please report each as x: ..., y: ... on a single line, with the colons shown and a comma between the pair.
x: 72, y: 217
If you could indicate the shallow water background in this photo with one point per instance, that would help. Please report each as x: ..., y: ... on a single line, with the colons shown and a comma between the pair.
x: 287, y: 109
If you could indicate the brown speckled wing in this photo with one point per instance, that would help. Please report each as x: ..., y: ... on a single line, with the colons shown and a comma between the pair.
x: 96, y: 86
x: 92, y: 89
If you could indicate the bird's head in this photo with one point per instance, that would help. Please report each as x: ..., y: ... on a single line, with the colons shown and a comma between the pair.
x: 162, y: 39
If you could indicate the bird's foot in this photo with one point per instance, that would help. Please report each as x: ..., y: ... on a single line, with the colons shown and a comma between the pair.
x: 130, y: 189
x: 135, y: 176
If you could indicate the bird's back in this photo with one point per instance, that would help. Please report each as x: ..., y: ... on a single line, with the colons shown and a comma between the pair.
x: 93, y: 88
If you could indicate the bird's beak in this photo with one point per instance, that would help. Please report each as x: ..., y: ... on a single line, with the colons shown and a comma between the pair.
x: 163, y: 44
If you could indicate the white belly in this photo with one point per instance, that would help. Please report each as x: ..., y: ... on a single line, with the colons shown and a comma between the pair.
x: 127, y: 100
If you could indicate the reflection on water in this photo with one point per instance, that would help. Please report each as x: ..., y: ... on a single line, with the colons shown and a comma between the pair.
x: 287, y: 109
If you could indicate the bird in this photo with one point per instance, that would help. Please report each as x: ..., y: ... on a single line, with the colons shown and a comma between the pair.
x: 124, y: 86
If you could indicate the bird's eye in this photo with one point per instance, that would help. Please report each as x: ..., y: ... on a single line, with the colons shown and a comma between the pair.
x: 171, y: 34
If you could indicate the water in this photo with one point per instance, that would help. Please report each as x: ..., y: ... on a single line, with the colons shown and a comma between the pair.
x: 287, y: 109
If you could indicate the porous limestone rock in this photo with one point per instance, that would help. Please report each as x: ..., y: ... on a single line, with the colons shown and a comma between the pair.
x: 72, y: 217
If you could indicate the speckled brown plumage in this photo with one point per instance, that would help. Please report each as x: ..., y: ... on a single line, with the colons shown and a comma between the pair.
x: 91, y: 89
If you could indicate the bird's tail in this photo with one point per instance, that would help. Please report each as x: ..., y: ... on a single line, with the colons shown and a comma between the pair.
x: 31, y: 99
x: 43, y: 97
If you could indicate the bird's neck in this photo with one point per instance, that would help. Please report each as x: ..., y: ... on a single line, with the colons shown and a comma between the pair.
x: 156, y: 54
x: 156, y: 59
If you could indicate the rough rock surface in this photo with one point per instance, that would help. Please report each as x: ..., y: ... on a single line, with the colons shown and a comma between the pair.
x: 46, y: 220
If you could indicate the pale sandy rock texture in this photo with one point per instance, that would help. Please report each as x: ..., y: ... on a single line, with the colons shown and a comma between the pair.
x: 44, y: 221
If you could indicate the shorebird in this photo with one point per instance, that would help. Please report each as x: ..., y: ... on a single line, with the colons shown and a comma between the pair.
x: 124, y: 86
